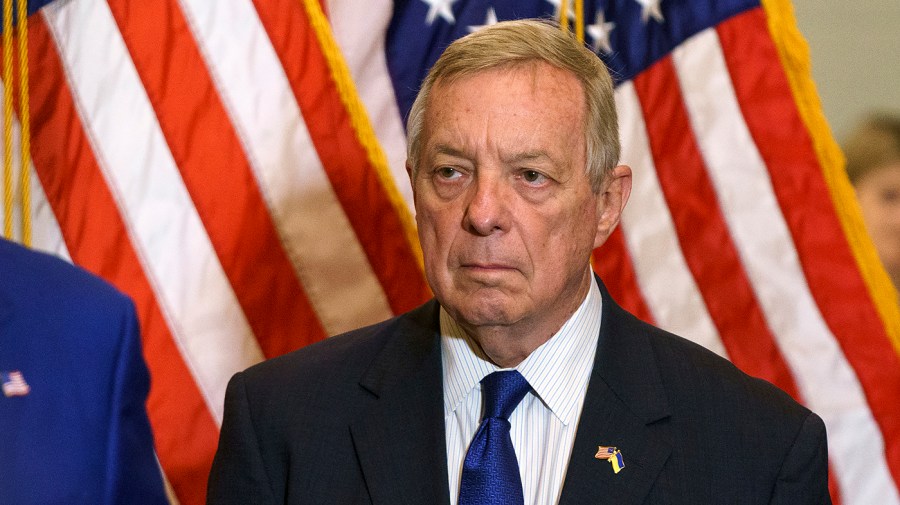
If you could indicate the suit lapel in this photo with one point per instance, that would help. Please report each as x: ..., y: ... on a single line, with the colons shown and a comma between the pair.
x: 624, y: 403
x: 402, y: 455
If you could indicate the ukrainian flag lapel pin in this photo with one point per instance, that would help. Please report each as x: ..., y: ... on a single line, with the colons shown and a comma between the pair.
x: 611, y: 454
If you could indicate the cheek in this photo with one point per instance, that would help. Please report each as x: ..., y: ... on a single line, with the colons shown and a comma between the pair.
x: 436, y: 232
x: 874, y: 212
x: 569, y: 237
x: 551, y: 241
x: 427, y: 234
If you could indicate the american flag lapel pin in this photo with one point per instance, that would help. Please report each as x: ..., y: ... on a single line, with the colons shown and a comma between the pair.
x: 14, y: 384
x: 613, y: 455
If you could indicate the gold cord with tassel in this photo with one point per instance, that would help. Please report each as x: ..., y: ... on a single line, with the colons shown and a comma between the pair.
x: 9, y: 87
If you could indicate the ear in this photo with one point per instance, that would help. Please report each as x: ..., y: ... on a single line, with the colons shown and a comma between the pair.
x: 611, y: 201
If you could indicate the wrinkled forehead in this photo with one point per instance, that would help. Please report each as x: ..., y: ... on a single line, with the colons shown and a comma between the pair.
x: 545, y: 84
x: 542, y: 93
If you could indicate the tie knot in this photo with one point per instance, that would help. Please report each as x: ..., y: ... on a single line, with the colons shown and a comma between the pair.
x: 502, y: 392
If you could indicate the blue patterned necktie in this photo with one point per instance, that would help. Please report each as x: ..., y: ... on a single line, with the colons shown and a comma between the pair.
x: 490, y: 473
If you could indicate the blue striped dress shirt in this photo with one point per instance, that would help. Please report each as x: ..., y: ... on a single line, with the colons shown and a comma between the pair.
x: 544, y: 423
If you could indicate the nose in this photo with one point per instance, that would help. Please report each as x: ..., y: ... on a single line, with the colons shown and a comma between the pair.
x: 487, y: 210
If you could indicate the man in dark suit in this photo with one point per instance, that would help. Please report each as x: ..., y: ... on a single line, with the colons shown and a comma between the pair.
x: 523, y: 381
x: 73, y: 426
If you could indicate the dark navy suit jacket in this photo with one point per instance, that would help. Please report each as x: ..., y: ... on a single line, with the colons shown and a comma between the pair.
x: 81, y: 435
x: 359, y: 418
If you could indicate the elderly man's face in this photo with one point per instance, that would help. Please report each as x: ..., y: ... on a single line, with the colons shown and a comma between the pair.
x: 506, y: 214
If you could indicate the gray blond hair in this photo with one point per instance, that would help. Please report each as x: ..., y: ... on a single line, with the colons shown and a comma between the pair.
x: 519, y: 43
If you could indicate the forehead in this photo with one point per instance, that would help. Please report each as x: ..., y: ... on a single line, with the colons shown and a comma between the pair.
x: 536, y: 77
x: 886, y: 174
x: 534, y: 97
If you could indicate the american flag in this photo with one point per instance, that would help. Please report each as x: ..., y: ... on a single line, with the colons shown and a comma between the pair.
x: 14, y: 384
x: 604, y: 452
x: 237, y: 167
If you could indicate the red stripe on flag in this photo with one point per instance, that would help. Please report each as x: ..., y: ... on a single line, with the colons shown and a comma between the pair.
x: 828, y: 263
x: 97, y: 239
x: 613, y: 264
x: 692, y: 199
x: 368, y: 208
x: 217, y: 174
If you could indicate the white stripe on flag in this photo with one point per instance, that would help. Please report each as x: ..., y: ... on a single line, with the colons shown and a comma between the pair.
x: 662, y: 272
x: 45, y: 233
x: 200, y: 307
x: 312, y: 224
x: 767, y: 252
x: 360, y: 33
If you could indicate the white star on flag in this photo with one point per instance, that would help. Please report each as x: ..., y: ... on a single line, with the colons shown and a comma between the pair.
x: 650, y: 8
x: 599, y: 31
x: 490, y: 19
x: 440, y: 8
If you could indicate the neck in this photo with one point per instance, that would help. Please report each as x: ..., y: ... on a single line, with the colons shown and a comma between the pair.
x: 508, y: 345
x: 504, y: 347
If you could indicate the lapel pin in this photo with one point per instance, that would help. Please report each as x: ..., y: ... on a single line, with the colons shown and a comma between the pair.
x: 613, y: 455
x: 14, y: 384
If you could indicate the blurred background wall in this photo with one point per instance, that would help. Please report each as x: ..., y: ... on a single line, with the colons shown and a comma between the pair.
x: 855, y: 47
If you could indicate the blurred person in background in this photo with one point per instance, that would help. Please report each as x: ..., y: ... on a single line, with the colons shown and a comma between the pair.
x: 873, y: 164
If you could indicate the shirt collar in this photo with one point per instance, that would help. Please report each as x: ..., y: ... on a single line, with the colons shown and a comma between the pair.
x: 558, y: 370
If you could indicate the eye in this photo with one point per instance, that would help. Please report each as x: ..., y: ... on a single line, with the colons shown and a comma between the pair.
x: 533, y: 177
x: 447, y: 173
x: 890, y: 196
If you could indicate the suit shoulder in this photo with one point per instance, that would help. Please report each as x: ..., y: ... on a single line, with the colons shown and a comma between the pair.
x: 349, y: 353
x: 693, y: 371
x: 56, y: 315
x: 693, y: 377
x: 728, y: 436
x: 32, y: 274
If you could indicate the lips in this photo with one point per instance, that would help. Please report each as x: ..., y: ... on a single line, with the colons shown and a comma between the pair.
x: 487, y: 266
x: 486, y: 271
x: 485, y: 259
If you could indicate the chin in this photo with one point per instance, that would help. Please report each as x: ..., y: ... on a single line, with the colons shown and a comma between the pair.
x: 477, y: 311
